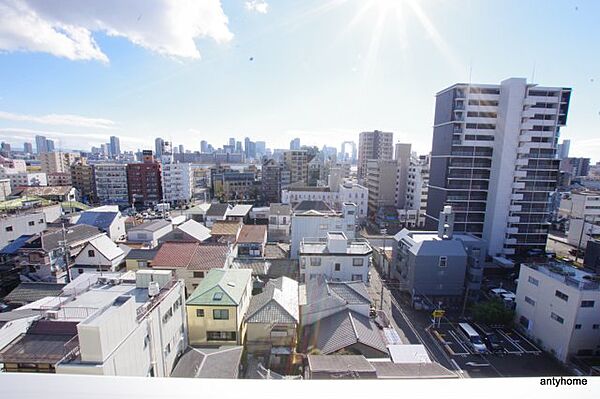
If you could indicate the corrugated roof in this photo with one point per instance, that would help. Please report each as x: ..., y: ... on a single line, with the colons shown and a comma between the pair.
x: 106, y: 247
x: 225, y: 228
x: 142, y: 254
x: 240, y: 210
x: 252, y: 234
x: 217, y: 210
x: 221, y: 362
x: 101, y: 220
x: 339, y: 363
x: 14, y: 246
x: 28, y: 292
x: 195, y: 229
x: 43, y: 191
x: 152, y: 225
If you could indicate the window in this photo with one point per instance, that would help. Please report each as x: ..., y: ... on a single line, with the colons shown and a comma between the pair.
x: 587, y: 304
x: 41, y: 221
x: 221, y: 314
x: 530, y: 301
x: 578, y: 326
x: 443, y: 262
x: 9, y: 228
x: 561, y: 295
x: 198, y: 274
x: 80, y: 271
x: 533, y: 281
x: 337, y: 267
x: 556, y: 317
x: 199, y: 312
x: 323, y: 227
x: 315, y: 261
x: 168, y: 349
x: 31, y: 223
x: 91, y: 253
x: 220, y: 335
x: 217, y: 296
x: 358, y: 261
x: 146, y: 341
x: 595, y: 326
x: 357, y: 277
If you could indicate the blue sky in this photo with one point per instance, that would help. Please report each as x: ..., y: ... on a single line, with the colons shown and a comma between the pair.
x: 322, y: 70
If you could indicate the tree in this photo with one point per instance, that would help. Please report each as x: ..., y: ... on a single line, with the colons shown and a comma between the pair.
x: 492, y: 312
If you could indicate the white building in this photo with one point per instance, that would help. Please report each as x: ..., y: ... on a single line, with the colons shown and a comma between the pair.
x: 178, y: 182
x: 417, y: 189
x: 280, y: 221
x: 582, y: 208
x: 111, y: 183
x: 107, y: 218
x: 557, y: 306
x: 346, y: 192
x: 99, y: 254
x: 4, y: 188
x: 20, y: 179
x: 149, y: 232
x: 335, y: 257
x: 310, y: 222
x: 26, y: 223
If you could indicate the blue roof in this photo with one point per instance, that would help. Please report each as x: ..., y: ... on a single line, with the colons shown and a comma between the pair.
x: 101, y: 220
x: 14, y: 246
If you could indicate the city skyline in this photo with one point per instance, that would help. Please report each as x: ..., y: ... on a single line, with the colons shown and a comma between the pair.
x: 244, y: 71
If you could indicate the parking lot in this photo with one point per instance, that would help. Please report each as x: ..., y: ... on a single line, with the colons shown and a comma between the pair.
x: 510, y: 341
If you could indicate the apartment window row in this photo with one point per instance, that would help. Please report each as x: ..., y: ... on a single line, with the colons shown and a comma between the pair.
x: 561, y: 295
x: 594, y: 326
x: 556, y: 317
x: 533, y: 281
x: 529, y: 301
x: 167, y: 316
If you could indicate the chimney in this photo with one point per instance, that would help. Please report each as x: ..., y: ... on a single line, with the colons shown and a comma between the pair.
x: 446, y: 223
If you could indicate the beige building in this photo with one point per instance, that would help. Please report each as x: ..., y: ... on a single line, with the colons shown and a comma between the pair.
x: 297, y: 163
x: 381, y: 180
x: 373, y: 146
x: 216, y: 309
x: 57, y: 162
x: 82, y: 178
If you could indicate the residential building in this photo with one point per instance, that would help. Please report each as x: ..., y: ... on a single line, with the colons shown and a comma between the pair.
x: 107, y: 219
x: 439, y: 266
x: 110, y: 182
x: 575, y: 167
x: 295, y: 144
x: 251, y: 241
x: 215, y: 212
x: 149, y: 232
x: 233, y: 185
x: 82, y: 178
x: 5, y: 189
x: 374, y: 146
x: 41, y: 144
x: 144, y: 181
x: 296, y: 161
x: 22, y: 179
x: 582, y: 210
x: 316, y: 219
x: 272, y: 321
x: 59, y: 179
x: 557, y: 306
x: 189, y: 231
x: 274, y: 177
x: 239, y: 212
x: 50, y: 193
x: 216, y: 309
x: 178, y: 182
x: 27, y: 148
x: 129, y: 325
x: 24, y: 223
x: 225, y: 231
x: 99, y: 254
x: 137, y: 259
x: 402, y: 156
x: 346, y: 191
x: 190, y: 261
x: 336, y: 258
x: 381, y: 180
x: 115, y: 147
x: 280, y: 218
x: 57, y: 162
x: 417, y: 187
x: 209, y: 362
x: 494, y: 160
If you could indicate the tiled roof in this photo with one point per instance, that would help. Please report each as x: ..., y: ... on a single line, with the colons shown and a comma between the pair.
x: 341, y: 330
x: 225, y: 228
x: 221, y: 362
x: 258, y: 266
x: 142, y: 254
x: 278, y: 303
x: 190, y: 255
x: 277, y: 250
x: 280, y: 209
x: 217, y: 210
x: 76, y: 233
x: 252, y: 234
x: 339, y: 363
x: 27, y: 292
x: 43, y: 191
x: 209, y: 256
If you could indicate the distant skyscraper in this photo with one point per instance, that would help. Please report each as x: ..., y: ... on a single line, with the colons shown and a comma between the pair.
x: 563, y: 149
x: 203, y: 147
x: 158, y: 146
x: 181, y: 149
x: 232, y: 142
x: 5, y: 148
x: 238, y: 147
x: 373, y: 146
x: 115, y: 146
x: 261, y: 148
x: 50, y: 145
x: 295, y: 144
x: 494, y: 161
x: 249, y: 148
x: 348, y: 155
x: 27, y: 148
x: 41, y: 144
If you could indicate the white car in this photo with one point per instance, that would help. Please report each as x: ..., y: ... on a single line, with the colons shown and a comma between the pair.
x: 498, y: 292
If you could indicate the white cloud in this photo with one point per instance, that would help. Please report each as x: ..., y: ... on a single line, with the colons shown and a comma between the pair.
x: 74, y: 139
x: 64, y: 28
x: 259, y: 6
x: 60, y: 120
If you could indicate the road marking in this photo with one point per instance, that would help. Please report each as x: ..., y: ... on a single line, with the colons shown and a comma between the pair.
x: 512, y: 341
x: 537, y: 351
x: 459, y: 342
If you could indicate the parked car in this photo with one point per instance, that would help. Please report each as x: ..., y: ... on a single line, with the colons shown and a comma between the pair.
x: 490, y: 339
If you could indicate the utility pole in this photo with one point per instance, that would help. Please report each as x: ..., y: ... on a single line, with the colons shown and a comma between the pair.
x: 65, y: 248
x: 384, y: 232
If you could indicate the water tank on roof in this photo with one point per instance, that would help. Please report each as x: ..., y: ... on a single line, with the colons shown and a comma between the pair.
x: 153, y: 289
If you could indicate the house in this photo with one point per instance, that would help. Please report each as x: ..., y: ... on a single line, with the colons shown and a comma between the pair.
x: 139, y: 258
x: 215, y: 212
x: 251, y: 241
x: 149, y: 232
x: 99, y: 254
x: 128, y: 325
x: 52, y: 193
x: 209, y: 362
x: 315, y: 219
x: 189, y: 231
x: 216, y: 309
x: 280, y: 220
x: 106, y: 218
x: 190, y: 261
x: 43, y: 257
x: 198, y: 212
x: 225, y: 231
x: 26, y: 221
x: 272, y: 321
x: 239, y: 212
x: 335, y: 257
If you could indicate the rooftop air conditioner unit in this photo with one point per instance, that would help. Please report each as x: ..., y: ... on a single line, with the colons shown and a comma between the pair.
x: 153, y: 289
x: 102, y: 280
x: 52, y: 314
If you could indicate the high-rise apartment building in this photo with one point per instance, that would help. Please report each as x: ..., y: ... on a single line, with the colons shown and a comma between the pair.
x: 494, y: 160
x: 297, y: 163
x: 402, y: 156
x: 110, y: 180
x: 381, y: 178
x: 41, y: 144
x: 158, y: 147
x: 203, y: 147
x: 274, y: 177
x: 57, y: 162
x: 417, y: 187
x: 115, y: 146
x: 295, y: 144
x: 177, y: 179
x: 27, y: 148
x: 82, y: 178
x: 144, y: 181
x: 374, y: 146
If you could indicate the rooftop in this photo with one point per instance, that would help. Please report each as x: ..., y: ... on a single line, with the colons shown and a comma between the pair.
x: 209, y: 362
x: 195, y: 229
x: 280, y: 209
x: 278, y: 303
x: 320, y: 246
x: 152, y: 225
x: 217, y: 210
x: 569, y: 275
x: 28, y: 292
x: 101, y: 220
x: 252, y: 234
x: 190, y: 255
x: 240, y: 210
x: 318, y: 206
x: 225, y: 228
x: 222, y: 287
x: 43, y: 191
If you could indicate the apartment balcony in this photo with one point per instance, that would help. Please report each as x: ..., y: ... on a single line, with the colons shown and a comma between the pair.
x: 515, y: 208
x: 518, y: 185
x: 517, y: 197
x: 514, y: 219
